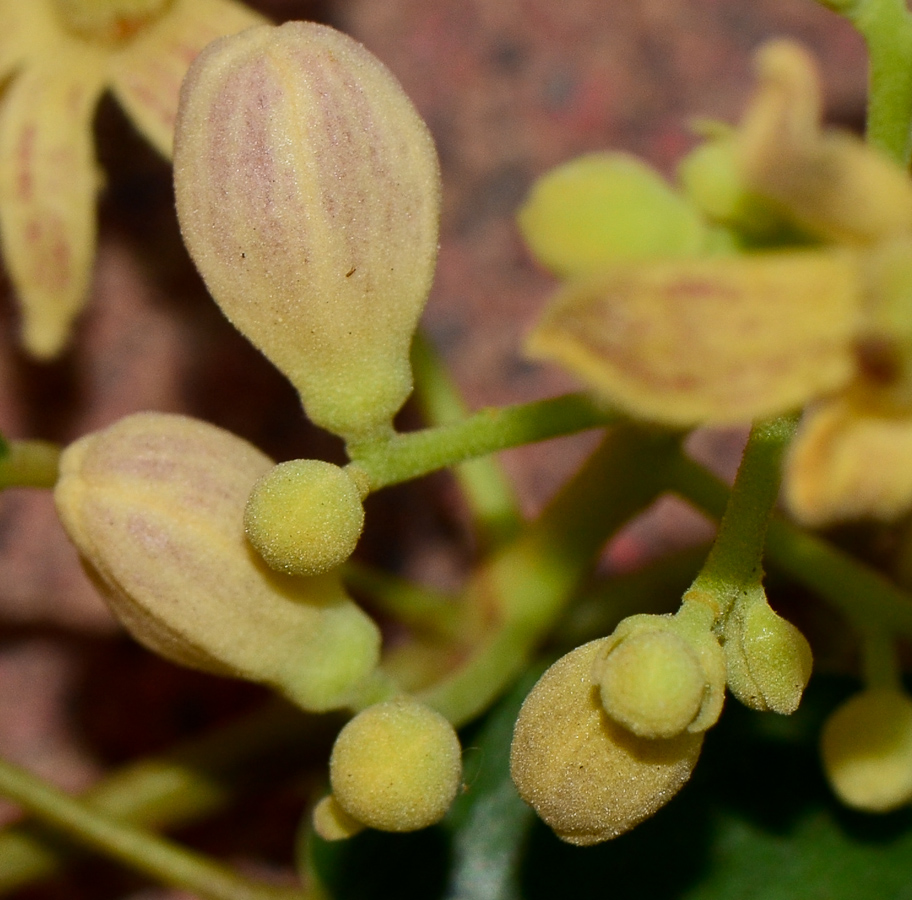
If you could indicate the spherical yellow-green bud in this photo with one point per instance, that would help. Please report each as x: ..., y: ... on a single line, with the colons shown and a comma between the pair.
x: 867, y: 750
x: 155, y: 506
x: 768, y: 659
x: 652, y: 684
x: 659, y: 675
x: 304, y: 517
x: 308, y: 193
x: 589, y: 778
x: 396, y: 766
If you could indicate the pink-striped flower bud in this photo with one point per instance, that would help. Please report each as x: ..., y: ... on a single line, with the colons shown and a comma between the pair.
x: 308, y: 195
x: 155, y: 506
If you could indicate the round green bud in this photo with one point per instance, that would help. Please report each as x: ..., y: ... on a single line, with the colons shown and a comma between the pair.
x: 653, y: 684
x: 396, y: 766
x: 304, y: 517
x: 867, y: 750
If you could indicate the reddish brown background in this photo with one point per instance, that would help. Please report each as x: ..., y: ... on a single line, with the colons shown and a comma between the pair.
x: 509, y: 88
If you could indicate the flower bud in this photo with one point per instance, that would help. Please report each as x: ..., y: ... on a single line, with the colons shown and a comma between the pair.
x: 659, y: 677
x: 396, y: 766
x: 308, y: 195
x: 589, y: 778
x: 768, y: 659
x: 155, y: 506
x: 304, y: 517
x: 604, y: 208
x: 867, y: 750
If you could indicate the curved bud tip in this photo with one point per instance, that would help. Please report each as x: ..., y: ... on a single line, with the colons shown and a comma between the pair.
x: 867, y: 750
x: 396, y: 766
x: 308, y: 193
x: 587, y: 777
x: 304, y: 517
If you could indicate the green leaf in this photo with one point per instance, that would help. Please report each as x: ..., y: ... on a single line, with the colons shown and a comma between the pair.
x: 489, y: 822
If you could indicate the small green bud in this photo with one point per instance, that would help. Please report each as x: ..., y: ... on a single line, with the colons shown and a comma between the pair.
x: 304, y: 517
x: 396, y: 766
x: 867, y: 750
x: 308, y: 193
x: 587, y: 777
x: 605, y: 208
x: 332, y: 822
x: 653, y: 684
x: 155, y: 507
x: 659, y: 676
x: 768, y: 659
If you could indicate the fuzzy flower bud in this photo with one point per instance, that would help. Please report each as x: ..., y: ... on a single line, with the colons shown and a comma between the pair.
x: 396, y: 766
x: 308, y: 195
x: 659, y: 677
x: 155, y: 506
x: 867, y: 750
x: 304, y: 517
x: 587, y: 777
x: 768, y: 659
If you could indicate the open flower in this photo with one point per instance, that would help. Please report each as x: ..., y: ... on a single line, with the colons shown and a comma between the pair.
x: 63, y: 54
x: 786, y: 282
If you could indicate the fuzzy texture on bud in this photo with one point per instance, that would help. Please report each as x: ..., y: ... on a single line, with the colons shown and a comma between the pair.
x: 659, y: 676
x: 396, y: 766
x: 304, y: 517
x: 589, y: 778
x: 768, y: 660
x: 155, y: 506
x: 308, y: 194
x: 867, y: 750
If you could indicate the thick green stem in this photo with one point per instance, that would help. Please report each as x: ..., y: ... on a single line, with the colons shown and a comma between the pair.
x: 845, y: 582
x: 886, y: 26
x: 417, y: 453
x: 736, y: 559
x: 490, y: 497
x: 520, y: 593
x: 29, y: 464
x: 153, y: 856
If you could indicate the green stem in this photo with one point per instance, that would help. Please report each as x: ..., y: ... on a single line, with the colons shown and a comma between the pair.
x: 736, y: 559
x: 521, y: 592
x: 490, y: 497
x: 156, y: 857
x: 29, y: 464
x: 417, y: 453
x: 186, y: 785
x: 887, y: 29
x: 879, y: 662
x: 860, y: 592
x: 422, y: 608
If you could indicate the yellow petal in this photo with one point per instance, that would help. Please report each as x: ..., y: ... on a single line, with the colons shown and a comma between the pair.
x: 27, y: 29
x: 719, y: 340
x: 849, y: 462
x: 829, y: 181
x: 48, y: 185
x: 146, y: 75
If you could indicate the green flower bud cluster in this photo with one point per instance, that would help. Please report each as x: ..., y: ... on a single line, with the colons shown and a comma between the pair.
x: 613, y: 730
x: 396, y: 766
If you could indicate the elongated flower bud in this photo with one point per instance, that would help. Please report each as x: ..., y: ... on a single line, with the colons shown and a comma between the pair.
x: 155, y: 506
x: 589, y: 778
x: 308, y: 195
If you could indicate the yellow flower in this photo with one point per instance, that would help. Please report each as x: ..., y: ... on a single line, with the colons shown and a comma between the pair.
x: 788, y: 283
x: 62, y: 55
